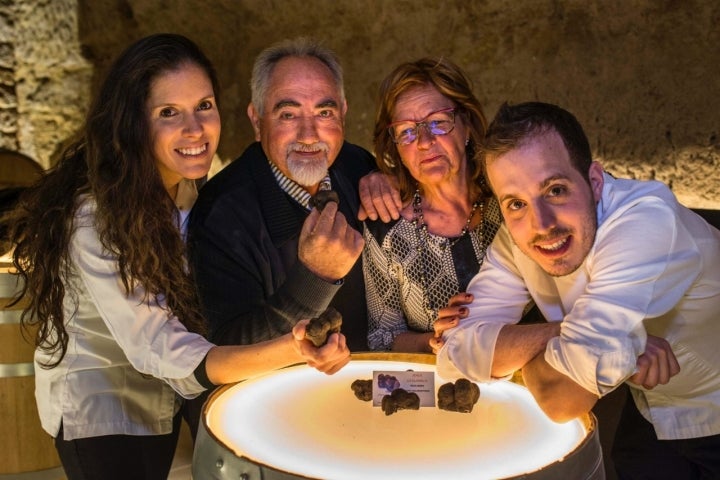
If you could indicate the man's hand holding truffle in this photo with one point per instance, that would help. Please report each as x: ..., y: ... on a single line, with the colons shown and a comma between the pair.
x: 319, y: 328
x: 329, y: 358
x: 328, y: 246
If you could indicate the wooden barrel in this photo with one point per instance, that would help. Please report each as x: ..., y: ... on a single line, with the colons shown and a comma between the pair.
x: 17, y: 172
x: 26, y: 447
x: 17, y: 169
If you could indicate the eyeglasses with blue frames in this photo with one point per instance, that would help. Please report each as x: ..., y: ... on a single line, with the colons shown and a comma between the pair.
x: 439, y: 122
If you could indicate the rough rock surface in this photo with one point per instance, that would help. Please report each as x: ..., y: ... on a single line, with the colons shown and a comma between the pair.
x: 44, y: 79
x: 640, y: 75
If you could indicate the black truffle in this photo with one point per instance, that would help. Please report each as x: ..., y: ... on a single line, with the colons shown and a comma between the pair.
x: 319, y: 328
x: 458, y: 397
x: 362, y: 389
x: 400, y: 399
x: 322, y: 197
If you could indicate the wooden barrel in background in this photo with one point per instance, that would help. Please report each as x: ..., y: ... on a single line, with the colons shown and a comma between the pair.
x: 17, y: 172
x: 17, y: 169
x: 26, y: 446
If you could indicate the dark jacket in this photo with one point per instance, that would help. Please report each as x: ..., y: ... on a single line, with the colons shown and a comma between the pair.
x: 243, y: 242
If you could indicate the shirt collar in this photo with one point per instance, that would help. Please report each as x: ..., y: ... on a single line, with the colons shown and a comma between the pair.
x: 295, y: 191
x: 184, y: 200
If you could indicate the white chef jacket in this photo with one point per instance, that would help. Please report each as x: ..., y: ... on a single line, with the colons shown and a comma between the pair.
x: 126, y: 357
x: 654, y: 268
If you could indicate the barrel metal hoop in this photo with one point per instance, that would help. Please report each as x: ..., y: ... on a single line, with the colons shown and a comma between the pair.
x: 17, y: 369
x: 9, y: 317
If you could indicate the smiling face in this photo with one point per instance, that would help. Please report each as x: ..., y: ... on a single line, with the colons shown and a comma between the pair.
x: 431, y: 159
x: 184, y: 124
x: 302, y: 126
x: 548, y: 206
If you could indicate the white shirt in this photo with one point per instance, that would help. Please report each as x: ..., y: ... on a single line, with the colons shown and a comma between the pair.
x: 126, y: 358
x: 654, y: 268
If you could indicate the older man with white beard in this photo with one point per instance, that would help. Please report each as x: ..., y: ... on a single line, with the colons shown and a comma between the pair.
x: 262, y: 256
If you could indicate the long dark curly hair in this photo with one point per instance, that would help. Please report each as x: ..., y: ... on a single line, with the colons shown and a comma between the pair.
x: 137, y: 220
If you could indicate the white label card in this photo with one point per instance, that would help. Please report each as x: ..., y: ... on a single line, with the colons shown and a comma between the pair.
x: 422, y: 383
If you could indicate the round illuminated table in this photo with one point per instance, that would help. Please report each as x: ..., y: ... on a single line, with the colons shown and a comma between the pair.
x: 300, y: 423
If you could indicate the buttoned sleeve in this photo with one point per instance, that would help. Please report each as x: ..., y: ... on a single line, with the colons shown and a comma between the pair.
x: 250, y: 289
x: 154, y: 341
x: 499, y: 298
x: 642, y: 263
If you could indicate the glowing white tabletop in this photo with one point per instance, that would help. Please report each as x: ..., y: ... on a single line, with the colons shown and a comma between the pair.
x: 306, y: 423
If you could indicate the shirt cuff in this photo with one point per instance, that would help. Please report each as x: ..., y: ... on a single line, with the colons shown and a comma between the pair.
x: 468, y: 352
x: 308, y: 290
x: 201, y: 375
x: 597, y: 371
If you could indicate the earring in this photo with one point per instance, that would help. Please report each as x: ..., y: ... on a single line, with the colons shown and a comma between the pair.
x: 467, y: 141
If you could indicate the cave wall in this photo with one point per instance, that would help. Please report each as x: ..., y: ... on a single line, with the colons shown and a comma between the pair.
x: 44, y: 79
x: 641, y: 75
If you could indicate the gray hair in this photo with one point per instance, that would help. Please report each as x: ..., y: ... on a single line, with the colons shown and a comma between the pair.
x: 298, y: 47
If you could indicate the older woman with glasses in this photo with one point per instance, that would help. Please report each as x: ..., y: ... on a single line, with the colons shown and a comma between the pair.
x: 426, y: 130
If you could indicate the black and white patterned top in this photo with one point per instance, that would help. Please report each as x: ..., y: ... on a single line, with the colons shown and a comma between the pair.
x: 410, y: 275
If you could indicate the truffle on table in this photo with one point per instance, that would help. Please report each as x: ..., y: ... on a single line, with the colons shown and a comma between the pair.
x: 362, y: 389
x: 400, y: 399
x: 458, y: 397
x: 319, y: 328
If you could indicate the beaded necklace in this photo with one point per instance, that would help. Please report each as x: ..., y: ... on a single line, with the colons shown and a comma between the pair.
x: 423, y: 238
x: 419, y: 220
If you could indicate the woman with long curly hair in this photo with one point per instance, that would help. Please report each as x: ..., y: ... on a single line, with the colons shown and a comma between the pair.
x: 98, y: 243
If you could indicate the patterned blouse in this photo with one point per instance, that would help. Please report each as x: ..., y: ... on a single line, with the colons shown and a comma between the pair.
x: 411, y: 274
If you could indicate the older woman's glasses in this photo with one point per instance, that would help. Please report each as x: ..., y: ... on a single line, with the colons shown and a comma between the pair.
x: 439, y: 122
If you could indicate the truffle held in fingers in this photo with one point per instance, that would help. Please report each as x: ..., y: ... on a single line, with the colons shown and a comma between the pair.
x: 322, y: 197
x: 319, y: 328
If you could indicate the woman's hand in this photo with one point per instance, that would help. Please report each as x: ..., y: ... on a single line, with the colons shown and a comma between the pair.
x: 449, y: 317
x: 329, y: 358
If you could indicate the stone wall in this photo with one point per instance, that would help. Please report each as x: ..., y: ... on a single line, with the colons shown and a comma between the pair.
x: 45, y: 80
x: 8, y: 93
x: 641, y: 75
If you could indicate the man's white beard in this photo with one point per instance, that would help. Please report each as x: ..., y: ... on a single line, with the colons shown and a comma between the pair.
x: 307, y: 172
